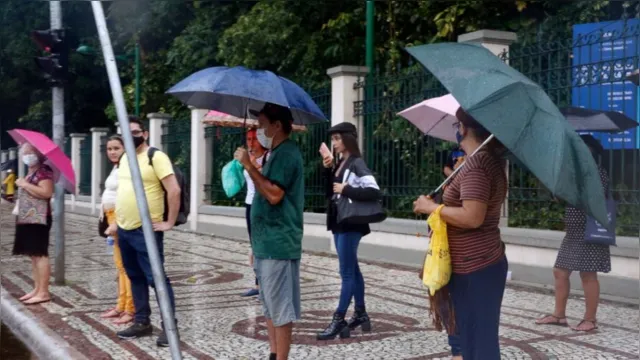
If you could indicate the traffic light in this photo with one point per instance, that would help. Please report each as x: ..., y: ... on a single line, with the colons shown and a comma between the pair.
x: 55, y: 65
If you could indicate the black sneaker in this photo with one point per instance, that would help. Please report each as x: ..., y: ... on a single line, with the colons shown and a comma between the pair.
x: 163, y: 340
x: 135, y: 331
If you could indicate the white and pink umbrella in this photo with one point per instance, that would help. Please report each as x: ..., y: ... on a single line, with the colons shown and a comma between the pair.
x: 435, y: 117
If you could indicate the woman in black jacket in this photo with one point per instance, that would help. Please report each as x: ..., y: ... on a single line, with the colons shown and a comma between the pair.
x: 349, y: 177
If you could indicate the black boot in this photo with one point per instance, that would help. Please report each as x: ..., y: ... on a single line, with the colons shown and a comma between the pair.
x: 360, y: 318
x: 337, y: 327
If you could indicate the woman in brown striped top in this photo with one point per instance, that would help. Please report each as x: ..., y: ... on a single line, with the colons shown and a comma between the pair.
x: 473, y: 203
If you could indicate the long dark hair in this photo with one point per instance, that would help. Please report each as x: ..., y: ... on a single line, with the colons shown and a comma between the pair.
x: 350, y: 143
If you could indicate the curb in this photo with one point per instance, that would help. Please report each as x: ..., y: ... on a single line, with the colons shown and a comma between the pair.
x: 42, y: 341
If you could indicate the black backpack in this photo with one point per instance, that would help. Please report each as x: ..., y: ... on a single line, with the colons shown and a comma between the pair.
x: 183, y: 213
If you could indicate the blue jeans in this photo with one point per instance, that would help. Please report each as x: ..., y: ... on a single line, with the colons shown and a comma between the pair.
x: 352, y: 280
x: 477, y: 298
x: 135, y: 259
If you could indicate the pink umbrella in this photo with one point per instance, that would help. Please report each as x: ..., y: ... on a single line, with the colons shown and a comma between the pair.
x: 434, y: 117
x: 56, y: 158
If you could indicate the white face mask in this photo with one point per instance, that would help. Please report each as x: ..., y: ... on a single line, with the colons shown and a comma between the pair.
x: 30, y: 159
x: 263, y: 139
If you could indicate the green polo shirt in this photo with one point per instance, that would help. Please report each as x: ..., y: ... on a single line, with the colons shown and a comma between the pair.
x: 276, y: 230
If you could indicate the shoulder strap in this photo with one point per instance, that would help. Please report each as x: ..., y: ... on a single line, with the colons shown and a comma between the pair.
x: 152, y: 150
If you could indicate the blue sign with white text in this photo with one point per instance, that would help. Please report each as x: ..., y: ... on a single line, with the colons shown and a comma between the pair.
x: 603, y: 54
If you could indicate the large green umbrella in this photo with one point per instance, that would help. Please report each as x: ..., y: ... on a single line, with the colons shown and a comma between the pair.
x: 520, y: 114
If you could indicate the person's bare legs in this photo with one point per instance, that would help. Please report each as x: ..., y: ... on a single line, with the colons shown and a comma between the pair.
x: 562, y: 287
x: 591, y: 287
x: 273, y: 345
x: 44, y: 272
x: 283, y: 341
x: 36, y: 284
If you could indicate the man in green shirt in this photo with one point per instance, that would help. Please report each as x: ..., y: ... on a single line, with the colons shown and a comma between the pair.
x: 276, y: 224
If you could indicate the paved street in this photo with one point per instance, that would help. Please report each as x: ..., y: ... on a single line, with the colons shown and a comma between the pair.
x: 215, y: 323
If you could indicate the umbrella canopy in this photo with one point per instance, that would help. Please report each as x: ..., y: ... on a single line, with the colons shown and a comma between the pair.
x: 595, y: 120
x: 519, y: 114
x: 235, y: 90
x: 56, y: 158
x: 434, y: 117
x: 217, y: 118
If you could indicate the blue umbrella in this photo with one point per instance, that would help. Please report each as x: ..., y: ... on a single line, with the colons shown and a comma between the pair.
x: 236, y: 90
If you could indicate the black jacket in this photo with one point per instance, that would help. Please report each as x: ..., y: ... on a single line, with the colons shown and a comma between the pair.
x: 361, y: 186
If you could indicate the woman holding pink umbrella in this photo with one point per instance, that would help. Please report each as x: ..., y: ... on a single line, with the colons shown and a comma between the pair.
x: 33, y: 222
x: 33, y: 209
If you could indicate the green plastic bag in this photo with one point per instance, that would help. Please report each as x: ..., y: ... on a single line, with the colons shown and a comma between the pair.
x: 232, y: 178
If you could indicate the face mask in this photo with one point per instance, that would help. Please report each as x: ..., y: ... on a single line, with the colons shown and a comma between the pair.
x: 263, y: 139
x: 30, y: 159
x: 458, y: 137
x: 138, y: 140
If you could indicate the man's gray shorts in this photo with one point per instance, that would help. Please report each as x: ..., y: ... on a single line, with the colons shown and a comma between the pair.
x: 279, y: 289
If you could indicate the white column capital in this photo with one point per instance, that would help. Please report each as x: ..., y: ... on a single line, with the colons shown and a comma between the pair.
x: 495, y: 41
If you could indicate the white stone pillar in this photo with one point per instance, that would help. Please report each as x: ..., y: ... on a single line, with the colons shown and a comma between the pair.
x: 21, y: 166
x: 497, y: 42
x: 97, y: 164
x: 199, y: 157
x: 343, y: 96
x: 76, y: 143
x: 156, y: 120
x: 4, y: 156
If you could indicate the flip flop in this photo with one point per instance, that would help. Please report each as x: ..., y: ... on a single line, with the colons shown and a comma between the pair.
x: 595, y: 326
x: 38, y: 302
x: 557, y: 321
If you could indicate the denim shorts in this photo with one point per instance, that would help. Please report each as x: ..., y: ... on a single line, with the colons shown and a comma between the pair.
x: 279, y: 289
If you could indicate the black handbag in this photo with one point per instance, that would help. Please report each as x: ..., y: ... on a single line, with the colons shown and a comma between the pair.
x: 103, y: 225
x: 357, y: 212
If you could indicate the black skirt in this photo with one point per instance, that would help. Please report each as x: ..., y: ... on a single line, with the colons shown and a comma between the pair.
x: 32, y: 239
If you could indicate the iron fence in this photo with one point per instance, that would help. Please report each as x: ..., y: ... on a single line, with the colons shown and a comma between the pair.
x: 176, y: 142
x: 406, y: 163
x: 85, y: 166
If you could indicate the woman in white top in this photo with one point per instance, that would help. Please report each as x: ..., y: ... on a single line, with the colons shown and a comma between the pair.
x: 258, y: 153
x: 124, y: 310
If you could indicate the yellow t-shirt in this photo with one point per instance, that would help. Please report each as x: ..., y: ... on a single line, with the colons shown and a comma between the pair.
x: 127, y: 215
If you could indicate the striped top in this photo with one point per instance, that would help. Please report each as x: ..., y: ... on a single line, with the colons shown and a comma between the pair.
x: 482, y: 179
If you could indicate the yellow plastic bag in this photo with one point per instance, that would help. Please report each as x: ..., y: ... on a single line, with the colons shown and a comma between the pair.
x: 437, y: 264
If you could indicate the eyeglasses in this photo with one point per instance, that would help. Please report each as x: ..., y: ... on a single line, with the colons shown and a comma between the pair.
x: 456, y: 125
x: 136, y: 132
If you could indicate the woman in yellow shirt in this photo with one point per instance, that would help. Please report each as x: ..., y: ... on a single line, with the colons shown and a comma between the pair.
x: 9, y: 186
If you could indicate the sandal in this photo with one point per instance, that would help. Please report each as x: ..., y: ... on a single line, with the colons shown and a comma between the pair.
x: 592, y: 322
x: 125, y: 318
x: 552, y: 320
x: 113, y: 313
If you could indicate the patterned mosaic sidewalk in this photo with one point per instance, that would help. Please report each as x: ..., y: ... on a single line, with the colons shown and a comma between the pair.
x: 216, y: 323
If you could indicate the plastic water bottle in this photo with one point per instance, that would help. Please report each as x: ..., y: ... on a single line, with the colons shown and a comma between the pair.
x: 110, y: 243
